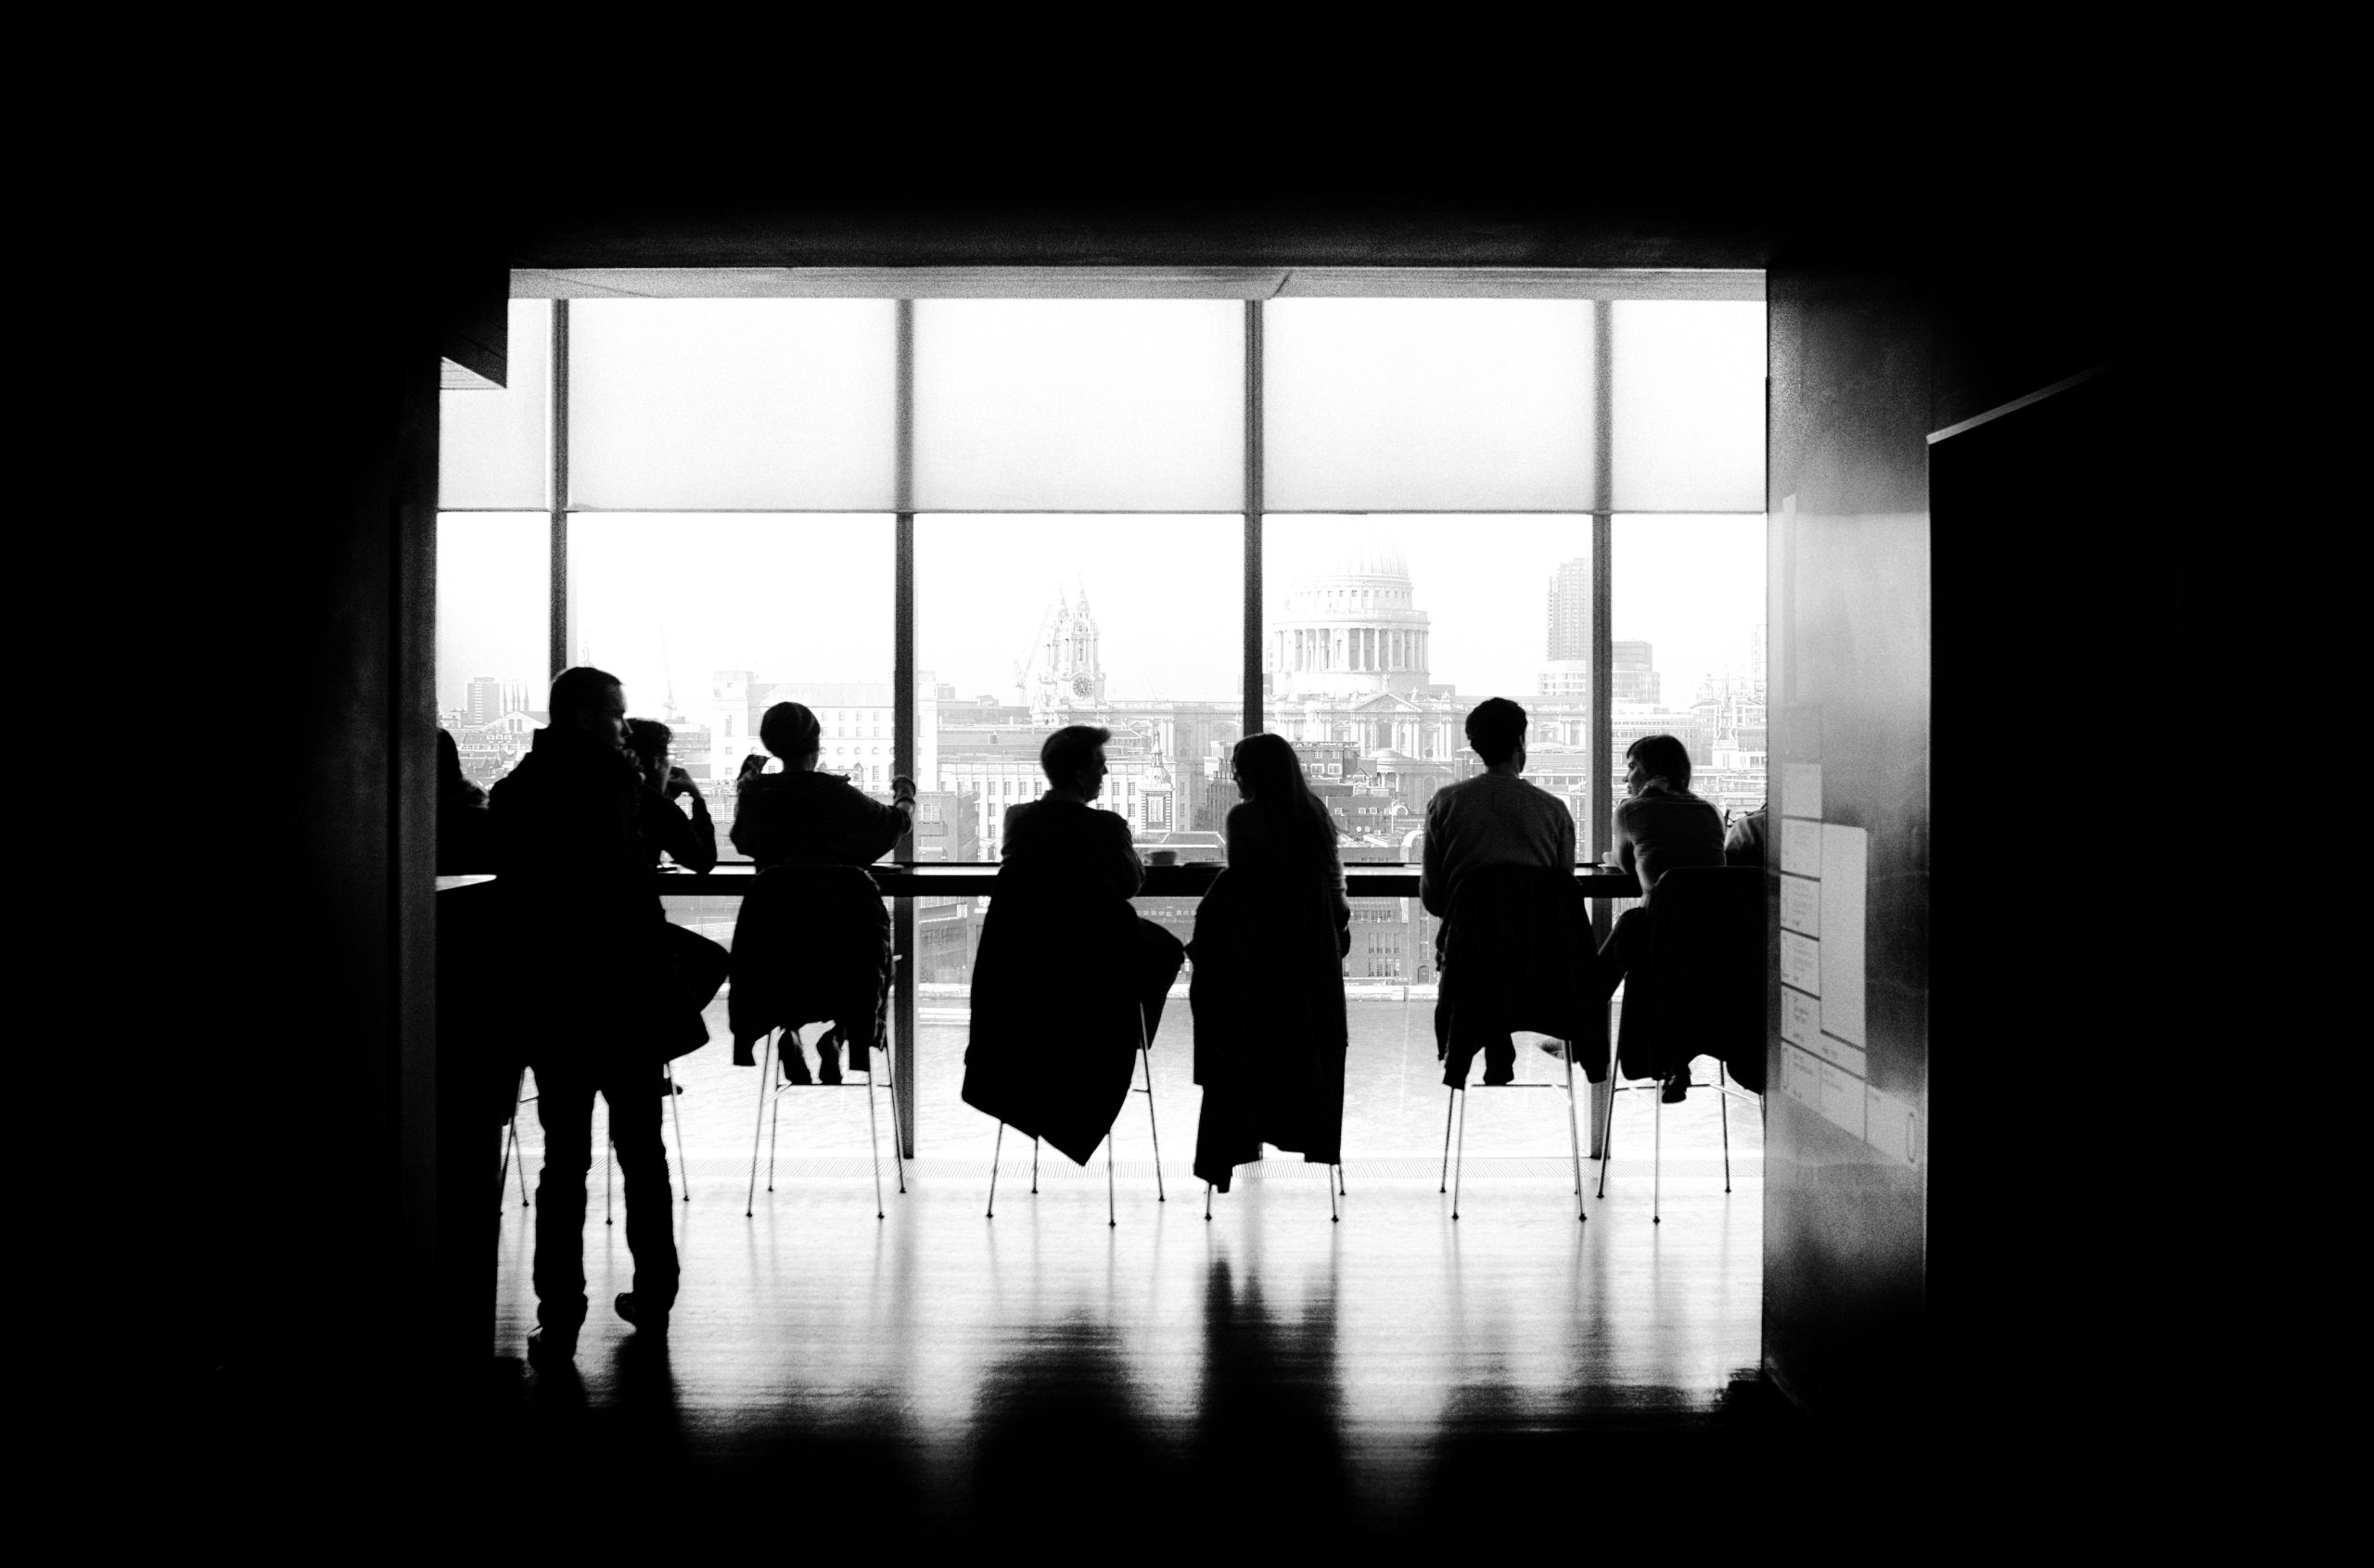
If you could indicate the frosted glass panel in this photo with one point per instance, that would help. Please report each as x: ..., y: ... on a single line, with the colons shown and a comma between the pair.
x: 490, y: 444
x: 744, y: 404
x: 1689, y: 405
x: 1432, y: 405
x: 1080, y: 404
x: 709, y: 621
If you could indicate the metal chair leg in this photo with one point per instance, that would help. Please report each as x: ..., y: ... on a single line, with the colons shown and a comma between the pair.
x: 774, y: 1131
x: 1723, y: 1103
x: 766, y: 1070
x: 1207, y: 1200
x: 1145, y: 1054
x: 684, y: 1170
x: 897, y: 1125
x: 1034, y: 1167
x: 994, y: 1152
x: 609, y: 1172
x: 1573, y: 1135
x: 1339, y: 1180
x: 1657, y: 1163
x: 1112, y: 1214
x: 874, y: 1142
x: 1460, y: 1169
x: 1607, y: 1129
x: 1444, y: 1185
x: 1333, y: 1215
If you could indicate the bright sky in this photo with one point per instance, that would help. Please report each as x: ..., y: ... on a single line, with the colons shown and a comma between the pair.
x: 663, y: 598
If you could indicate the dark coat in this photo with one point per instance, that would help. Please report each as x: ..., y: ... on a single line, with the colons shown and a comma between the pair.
x: 1517, y: 954
x: 1268, y: 993
x: 1698, y: 987
x: 1056, y: 1014
x: 811, y: 943
x: 586, y: 927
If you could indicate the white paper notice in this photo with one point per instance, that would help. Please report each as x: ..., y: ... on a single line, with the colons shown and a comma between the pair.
x: 1801, y: 905
x: 1800, y: 790
x: 1800, y: 1018
x: 1800, y: 847
x: 1801, y: 1077
x: 1839, y: 1054
x: 1892, y: 1126
x: 1845, y: 859
x: 1801, y: 962
x: 1842, y: 1097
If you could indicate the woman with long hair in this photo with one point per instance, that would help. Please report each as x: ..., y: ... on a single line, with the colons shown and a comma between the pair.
x: 1268, y: 989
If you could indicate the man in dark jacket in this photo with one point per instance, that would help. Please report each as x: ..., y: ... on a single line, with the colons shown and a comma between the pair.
x: 577, y: 875
x: 1067, y: 973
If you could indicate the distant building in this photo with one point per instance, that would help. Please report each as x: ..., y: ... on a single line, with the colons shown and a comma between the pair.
x: 1635, y: 673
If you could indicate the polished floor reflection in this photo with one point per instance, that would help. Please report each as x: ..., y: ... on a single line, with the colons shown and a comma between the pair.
x: 1045, y: 1369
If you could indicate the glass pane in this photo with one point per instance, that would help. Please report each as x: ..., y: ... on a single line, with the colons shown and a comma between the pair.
x: 1689, y: 423
x: 1080, y: 404
x: 492, y: 448
x: 493, y: 599
x: 747, y: 404
x: 1688, y: 649
x: 1428, y: 404
x: 1025, y: 624
x: 711, y: 620
x: 1381, y: 634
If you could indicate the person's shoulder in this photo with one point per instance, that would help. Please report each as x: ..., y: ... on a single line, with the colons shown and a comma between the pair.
x: 1450, y: 794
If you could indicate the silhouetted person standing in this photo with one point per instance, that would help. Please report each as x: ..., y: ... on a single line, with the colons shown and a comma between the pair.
x: 578, y: 874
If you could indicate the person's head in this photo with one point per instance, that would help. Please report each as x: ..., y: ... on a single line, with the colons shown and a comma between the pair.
x: 1074, y: 759
x: 1270, y: 773
x: 647, y: 741
x: 791, y: 732
x: 1655, y: 757
x: 1497, y: 732
x: 590, y: 704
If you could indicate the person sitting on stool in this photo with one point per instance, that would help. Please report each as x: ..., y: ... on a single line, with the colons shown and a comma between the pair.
x: 1659, y: 826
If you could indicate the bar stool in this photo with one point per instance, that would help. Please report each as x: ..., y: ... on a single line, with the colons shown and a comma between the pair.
x: 1725, y: 1090
x: 772, y: 1086
x: 1112, y: 1212
x: 1459, y: 1102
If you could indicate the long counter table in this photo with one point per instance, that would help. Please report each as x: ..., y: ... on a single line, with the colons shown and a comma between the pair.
x: 1191, y: 881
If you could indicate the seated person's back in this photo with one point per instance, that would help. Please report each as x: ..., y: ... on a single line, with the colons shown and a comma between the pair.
x: 804, y: 816
x: 1067, y: 848
x: 1495, y: 819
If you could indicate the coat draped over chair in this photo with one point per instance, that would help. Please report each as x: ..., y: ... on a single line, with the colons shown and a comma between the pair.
x: 811, y: 943
x: 1516, y: 954
x: 1058, y: 985
x: 1267, y: 994
x: 1699, y: 989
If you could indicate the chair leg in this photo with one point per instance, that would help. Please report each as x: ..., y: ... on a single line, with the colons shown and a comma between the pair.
x: 1334, y: 1216
x: 1034, y: 1167
x: 502, y: 1171
x: 1574, y: 1134
x: 766, y: 1070
x: 609, y: 1175
x: 1459, y: 1168
x: 519, y: 1164
x: 1145, y: 1054
x: 1339, y: 1180
x: 994, y: 1153
x: 1112, y: 1214
x: 684, y: 1170
x: 1607, y: 1132
x: 775, y: 1132
x: 898, y: 1126
x: 1449, y: 1105
x: 1657, y: 1163
x: 1723, y: 1103
x: 874, y: 1142
x: 1207, y: 1200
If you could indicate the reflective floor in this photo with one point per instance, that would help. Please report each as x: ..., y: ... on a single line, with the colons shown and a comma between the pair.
x: 1047, y: 1372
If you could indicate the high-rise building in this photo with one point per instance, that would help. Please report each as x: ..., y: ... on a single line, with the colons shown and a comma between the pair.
x: 1570, y: 611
